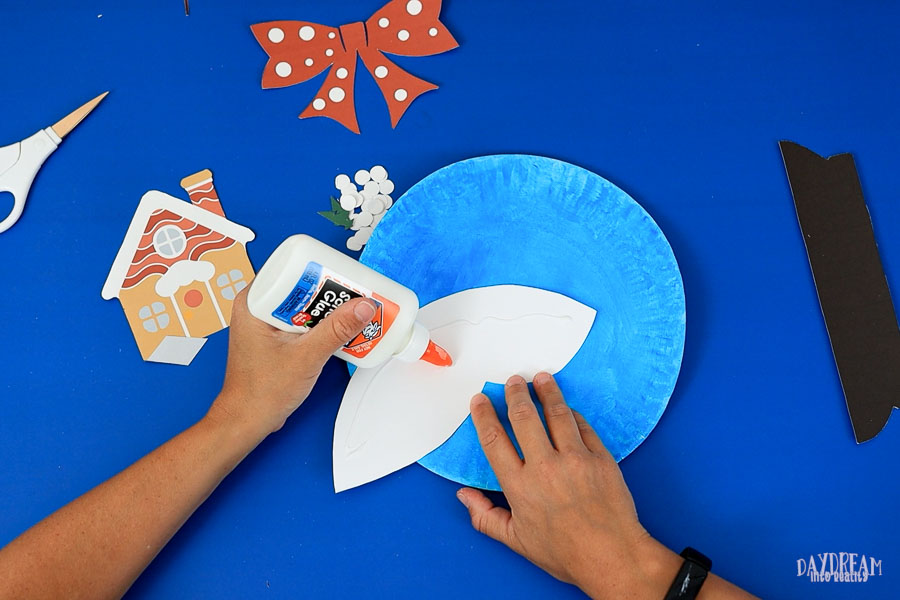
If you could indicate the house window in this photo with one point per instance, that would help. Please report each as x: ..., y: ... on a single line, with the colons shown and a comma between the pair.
x: 154, y: 317
x: 169, y: 241
x: 231, y: 283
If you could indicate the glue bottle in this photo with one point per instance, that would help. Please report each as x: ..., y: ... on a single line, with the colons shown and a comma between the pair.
x: 305, y: 280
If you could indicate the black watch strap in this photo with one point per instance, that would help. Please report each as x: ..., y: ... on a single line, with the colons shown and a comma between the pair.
x: 691, y: 576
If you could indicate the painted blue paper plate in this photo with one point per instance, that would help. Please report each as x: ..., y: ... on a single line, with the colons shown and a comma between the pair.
x: 539, y: 222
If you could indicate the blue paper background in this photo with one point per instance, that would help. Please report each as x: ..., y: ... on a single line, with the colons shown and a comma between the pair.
x: 539, y: 222
x: 680, y: 104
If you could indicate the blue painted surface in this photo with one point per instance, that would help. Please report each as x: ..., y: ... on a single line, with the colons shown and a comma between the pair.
x: 544, y: 223
x: 680, y: 104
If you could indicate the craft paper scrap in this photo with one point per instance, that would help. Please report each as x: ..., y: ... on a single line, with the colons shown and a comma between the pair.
x: 361, y: 209
x: 850, y: 282
x: 393, y: 415
x: 299, y: 50
x: 178, y: 271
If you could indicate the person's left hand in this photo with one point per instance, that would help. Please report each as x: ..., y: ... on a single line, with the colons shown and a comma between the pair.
x: 570, y: 510
x: 271, y: 372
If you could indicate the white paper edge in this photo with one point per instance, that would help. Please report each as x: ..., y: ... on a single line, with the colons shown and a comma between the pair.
x: 506, y: 302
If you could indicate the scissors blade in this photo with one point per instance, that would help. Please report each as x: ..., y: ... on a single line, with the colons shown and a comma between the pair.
x: 69, y: 122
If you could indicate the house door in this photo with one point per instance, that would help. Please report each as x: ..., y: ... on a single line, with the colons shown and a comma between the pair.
x: 199, y: 308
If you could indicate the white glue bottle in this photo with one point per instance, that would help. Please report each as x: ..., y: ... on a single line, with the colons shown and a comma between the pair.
x: 304, y: 280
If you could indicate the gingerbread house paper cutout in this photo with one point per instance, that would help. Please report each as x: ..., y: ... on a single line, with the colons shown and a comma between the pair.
x: 178, y: 271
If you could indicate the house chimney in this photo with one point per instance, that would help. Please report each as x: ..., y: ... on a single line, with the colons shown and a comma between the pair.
x: 202, y: 192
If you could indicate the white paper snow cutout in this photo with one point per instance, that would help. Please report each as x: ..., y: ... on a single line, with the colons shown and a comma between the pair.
x: 393, y: 415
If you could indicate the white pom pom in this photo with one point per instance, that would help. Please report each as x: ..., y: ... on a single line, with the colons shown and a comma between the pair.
x: 342, y: 181
x: 373, y: 205
x: 370, y: 190
x: 363, y: 219
x: 349, y: 188
x: 378, y: 173
x: 386, y: 186
x: 362, y: 177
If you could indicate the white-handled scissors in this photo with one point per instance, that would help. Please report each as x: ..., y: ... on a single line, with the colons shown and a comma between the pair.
x: 20, y: 162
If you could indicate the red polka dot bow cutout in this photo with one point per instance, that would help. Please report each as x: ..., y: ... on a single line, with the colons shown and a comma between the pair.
x: 298, y: 51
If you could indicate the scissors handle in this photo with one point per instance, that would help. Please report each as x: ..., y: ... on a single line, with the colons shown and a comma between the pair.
x: 19, y: 163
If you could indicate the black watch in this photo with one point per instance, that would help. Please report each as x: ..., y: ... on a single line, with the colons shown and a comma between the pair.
x: 691, y: 576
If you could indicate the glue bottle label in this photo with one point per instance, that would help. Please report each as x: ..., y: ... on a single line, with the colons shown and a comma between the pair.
x: 319, y: 291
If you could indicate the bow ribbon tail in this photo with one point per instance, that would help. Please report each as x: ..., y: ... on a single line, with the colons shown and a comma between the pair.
x: 398, y: 87
x: 334, y: 99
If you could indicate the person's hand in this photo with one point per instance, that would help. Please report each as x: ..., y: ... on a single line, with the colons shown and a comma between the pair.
x: 271, y: 372
x: 570, y: 510
x: 97, y: 545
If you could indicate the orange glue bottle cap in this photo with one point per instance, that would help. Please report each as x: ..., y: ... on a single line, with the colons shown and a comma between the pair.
x: 436, y: 355
x: 420, y: 347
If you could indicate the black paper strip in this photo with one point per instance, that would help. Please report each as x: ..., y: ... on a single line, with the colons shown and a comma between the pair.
x: 850, y: 281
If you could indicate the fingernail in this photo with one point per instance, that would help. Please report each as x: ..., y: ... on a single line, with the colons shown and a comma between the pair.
x: 478, y: 399
x: 364, y: 310
x: 462, y: 498
x: 515, y: 380
x: 542, y: 378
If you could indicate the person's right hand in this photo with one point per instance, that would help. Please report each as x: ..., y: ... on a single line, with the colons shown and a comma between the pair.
x: 271, y: 372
